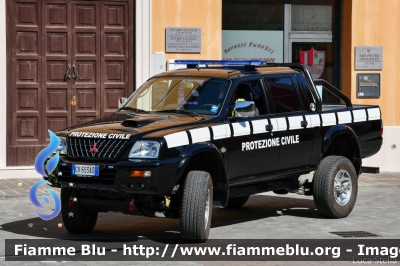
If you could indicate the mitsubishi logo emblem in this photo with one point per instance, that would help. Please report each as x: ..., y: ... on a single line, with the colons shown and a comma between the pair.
x: 93, y: 148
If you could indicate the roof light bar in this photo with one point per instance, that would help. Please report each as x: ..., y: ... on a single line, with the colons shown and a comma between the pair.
x: 221, y: 62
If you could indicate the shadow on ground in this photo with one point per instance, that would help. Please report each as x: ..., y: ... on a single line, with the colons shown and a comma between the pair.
x: 115, y: 226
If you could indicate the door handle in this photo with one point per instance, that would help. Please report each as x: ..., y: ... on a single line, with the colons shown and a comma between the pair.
x: 66, y: 76
x: 75, y: 75
x: 269, y: 127
x: 304, y: 123
x: 73, y: 101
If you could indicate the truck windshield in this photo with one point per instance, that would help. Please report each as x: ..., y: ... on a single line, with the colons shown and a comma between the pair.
x: 199, y: 95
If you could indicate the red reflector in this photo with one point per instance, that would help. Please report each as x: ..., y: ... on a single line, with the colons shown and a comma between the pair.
x: 381, y: 131
x: 132, y: 205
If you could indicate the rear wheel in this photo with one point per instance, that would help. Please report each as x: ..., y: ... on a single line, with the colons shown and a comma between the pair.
x: 76, y: 218
x: 335, y: 187
x: 235, y: 203
x: 196, y: 211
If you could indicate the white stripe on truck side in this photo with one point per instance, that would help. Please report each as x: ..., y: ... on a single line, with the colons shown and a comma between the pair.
x: 279, y: 124
x: 223, y: 131
x: 241, y: 128
x: 259, y: 126
x: 200, y: 134
x: 177, y: 139
x: 344, y: 117
x: 328, y: 119
x: 313, y: 120
x: 374, y: 114
x: 359, y: 115
x: 295, y: 122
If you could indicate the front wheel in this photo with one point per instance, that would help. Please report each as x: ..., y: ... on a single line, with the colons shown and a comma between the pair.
x: 197, y: 205
x: 335, y: 187
x: 76, y: 218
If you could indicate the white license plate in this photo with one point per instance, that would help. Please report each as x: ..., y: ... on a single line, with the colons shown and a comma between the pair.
x: 85, y: 170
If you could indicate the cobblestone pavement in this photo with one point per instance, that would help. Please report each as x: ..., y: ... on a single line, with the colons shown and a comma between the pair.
x: 265, y: 216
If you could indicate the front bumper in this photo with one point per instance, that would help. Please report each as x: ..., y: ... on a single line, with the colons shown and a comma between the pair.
x: 115, y: 176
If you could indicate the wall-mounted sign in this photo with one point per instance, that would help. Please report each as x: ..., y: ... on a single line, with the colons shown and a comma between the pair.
x: 252, y: 45
x: 183, y: 40
x: 368, y: 85
x: 368, y: 57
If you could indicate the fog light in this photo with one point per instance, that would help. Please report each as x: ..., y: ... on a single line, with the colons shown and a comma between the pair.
x: 140, y: 174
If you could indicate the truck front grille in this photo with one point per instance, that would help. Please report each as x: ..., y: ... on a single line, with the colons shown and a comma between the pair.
x: 94, y: 148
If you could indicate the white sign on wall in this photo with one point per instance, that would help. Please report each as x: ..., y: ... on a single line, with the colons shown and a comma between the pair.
x: 252, y: 45
x: 183, y: 40
x: 368, y: 57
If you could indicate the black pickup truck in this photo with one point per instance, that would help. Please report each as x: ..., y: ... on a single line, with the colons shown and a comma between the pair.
x: 205, y: 136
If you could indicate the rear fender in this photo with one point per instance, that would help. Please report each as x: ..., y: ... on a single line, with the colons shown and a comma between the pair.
x: 333, y: 137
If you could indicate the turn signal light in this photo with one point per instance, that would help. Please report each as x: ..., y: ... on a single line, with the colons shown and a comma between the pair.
x: 140, y: 174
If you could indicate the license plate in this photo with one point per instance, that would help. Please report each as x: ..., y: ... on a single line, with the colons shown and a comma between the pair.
x: 85, y: 170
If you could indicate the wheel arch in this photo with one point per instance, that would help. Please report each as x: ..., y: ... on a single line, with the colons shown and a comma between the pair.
x: 341, y: 140
x: 206, y: 157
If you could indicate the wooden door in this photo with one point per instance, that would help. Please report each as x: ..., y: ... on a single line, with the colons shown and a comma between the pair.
x: 86, y: 31
x: 56, y: 71
x: 69, y: 62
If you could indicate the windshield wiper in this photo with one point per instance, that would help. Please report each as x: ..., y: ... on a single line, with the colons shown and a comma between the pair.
x: 179, y: 112
x: 134, y: 109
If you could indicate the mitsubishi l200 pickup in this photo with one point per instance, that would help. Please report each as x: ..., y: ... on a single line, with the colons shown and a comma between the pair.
x: 210, y: 136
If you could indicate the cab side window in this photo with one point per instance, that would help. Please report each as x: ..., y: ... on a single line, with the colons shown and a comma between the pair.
x: 284, y: 95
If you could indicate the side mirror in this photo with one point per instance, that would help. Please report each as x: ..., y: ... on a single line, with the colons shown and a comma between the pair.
x: 121, y: 101
x: 244, y: 109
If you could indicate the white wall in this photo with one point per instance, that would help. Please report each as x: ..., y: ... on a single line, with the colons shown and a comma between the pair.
x: 387, y: 159
x: 143, y: 41
x: 3, y: 83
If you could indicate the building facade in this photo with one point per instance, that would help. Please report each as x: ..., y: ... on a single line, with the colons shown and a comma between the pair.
x: 114, y: 46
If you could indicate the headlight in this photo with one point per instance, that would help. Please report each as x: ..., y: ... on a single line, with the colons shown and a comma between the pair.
x: 62, y: 148
x: 145, y: 149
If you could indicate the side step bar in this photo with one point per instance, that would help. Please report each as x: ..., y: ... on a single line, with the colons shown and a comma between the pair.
x: 370, y: 170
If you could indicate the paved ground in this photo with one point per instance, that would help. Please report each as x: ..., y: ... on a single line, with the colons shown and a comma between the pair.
x: 265, y: 216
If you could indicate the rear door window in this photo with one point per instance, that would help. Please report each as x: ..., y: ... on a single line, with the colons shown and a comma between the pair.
x: 284, y: 95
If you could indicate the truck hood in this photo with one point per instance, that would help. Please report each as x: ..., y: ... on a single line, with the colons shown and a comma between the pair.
x: 126, y: 125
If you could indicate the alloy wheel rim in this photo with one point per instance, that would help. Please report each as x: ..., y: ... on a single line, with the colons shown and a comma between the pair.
x: 342, y: 187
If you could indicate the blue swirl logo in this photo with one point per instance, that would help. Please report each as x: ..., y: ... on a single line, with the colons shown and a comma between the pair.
x: 35, y: 201
x: 40, y: 168
x: 46, y: 152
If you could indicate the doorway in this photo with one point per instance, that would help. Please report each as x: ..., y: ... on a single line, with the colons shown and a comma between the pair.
x: 70, y: 61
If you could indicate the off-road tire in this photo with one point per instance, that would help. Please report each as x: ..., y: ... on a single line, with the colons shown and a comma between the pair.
x: 235, y: 203
x: 324, y: 187
x: 197, y: 189
x: 82, y: 220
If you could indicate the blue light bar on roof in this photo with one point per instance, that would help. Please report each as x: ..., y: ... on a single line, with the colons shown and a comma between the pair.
x: 221, y: 62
